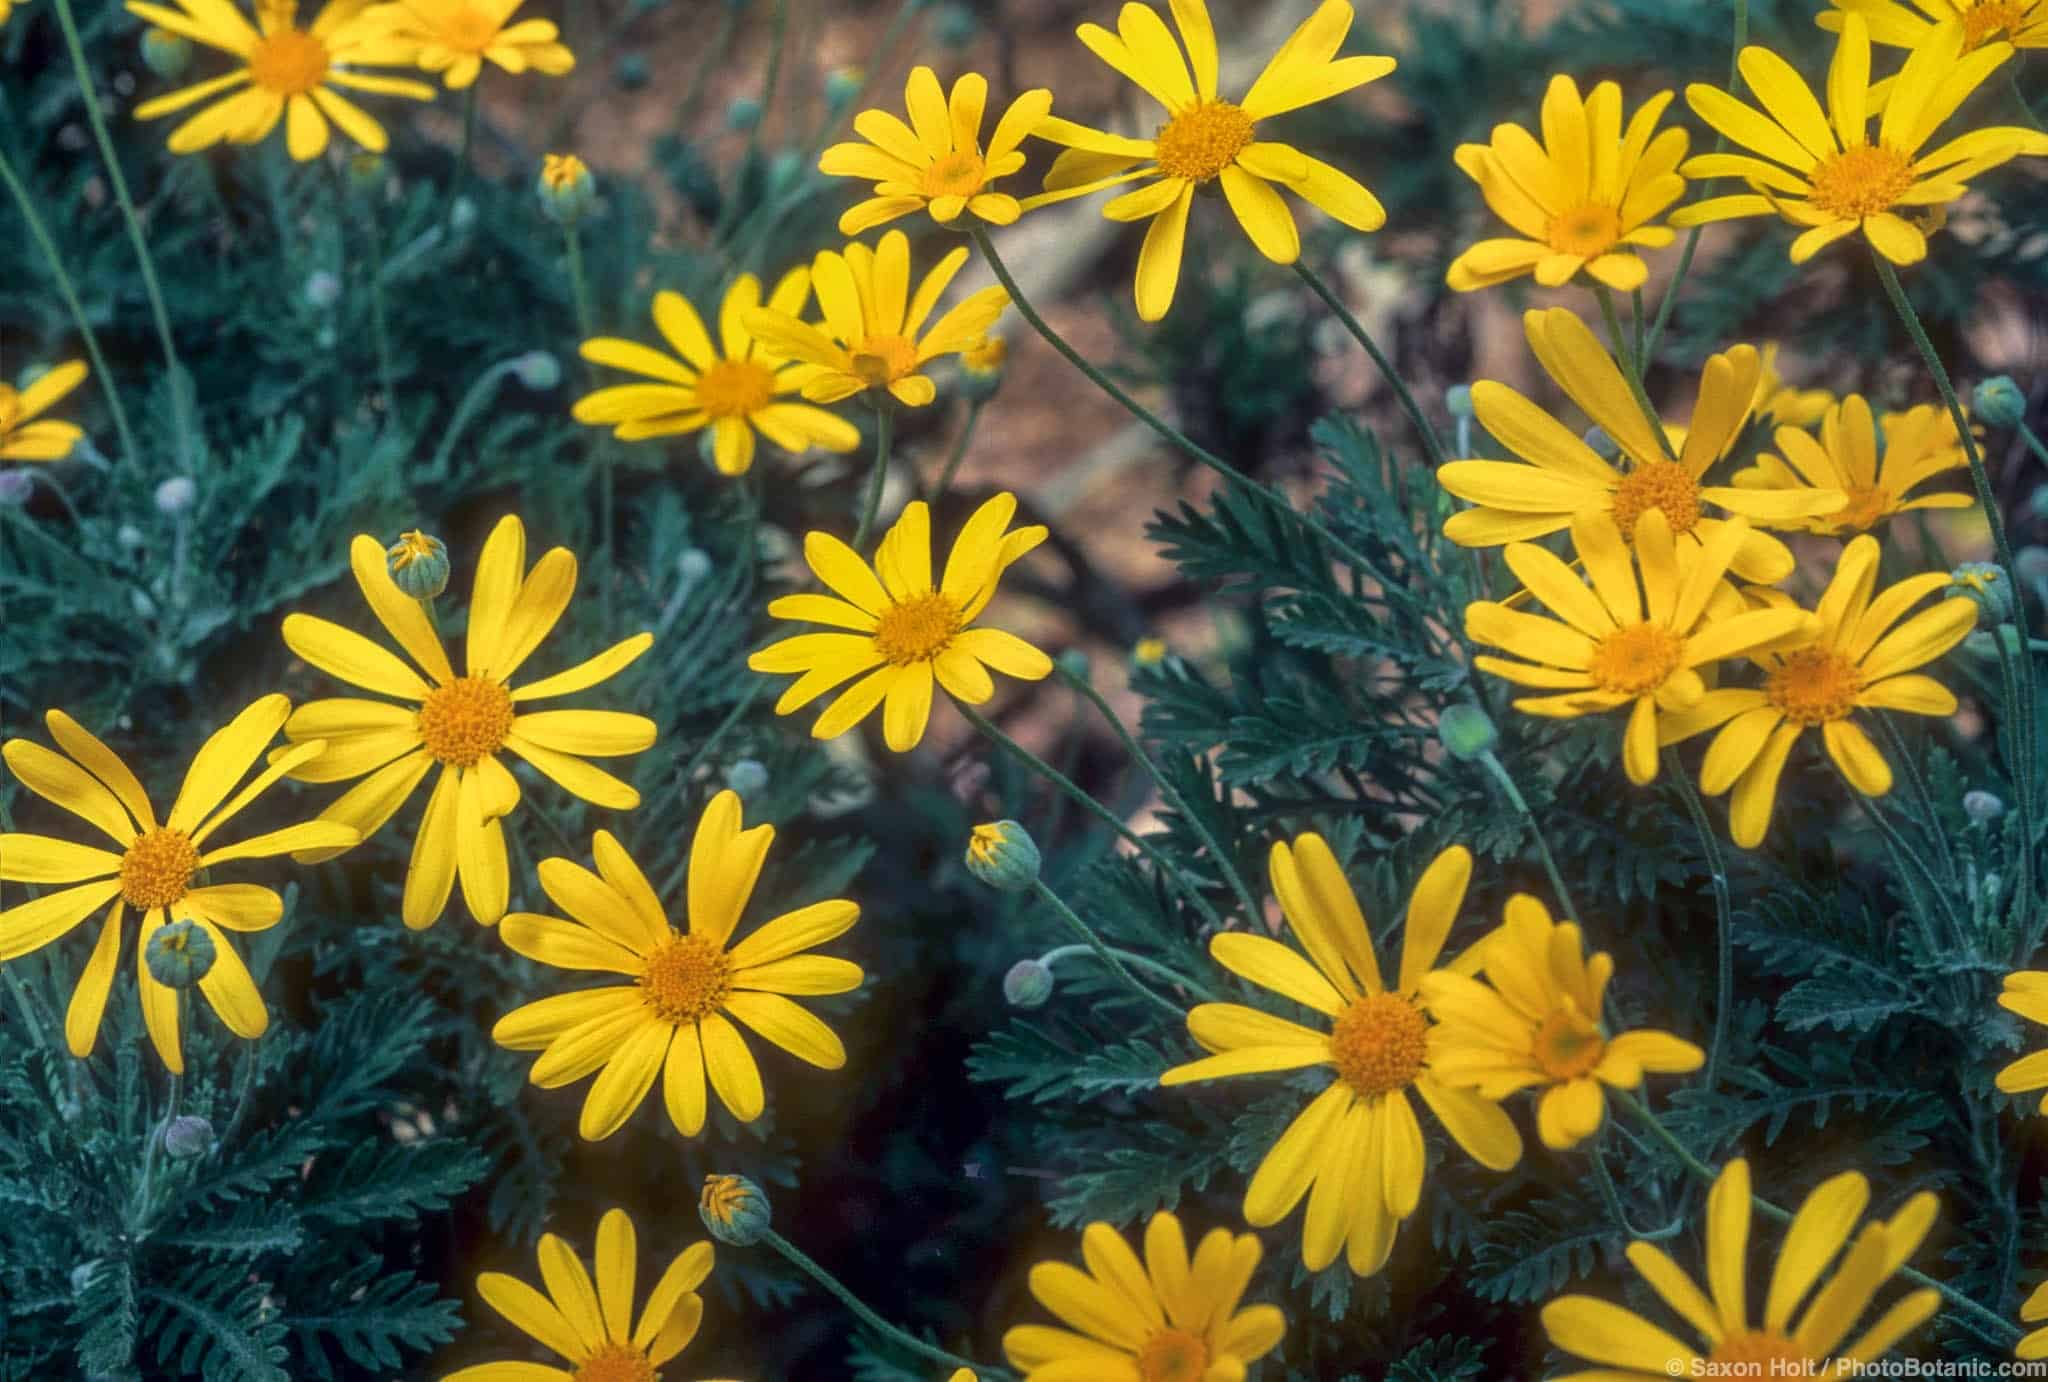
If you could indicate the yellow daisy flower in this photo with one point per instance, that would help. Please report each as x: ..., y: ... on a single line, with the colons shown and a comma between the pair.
x: 6, y: 11
x: 1538, y: 1026
x: 1206, y: 139
x: 874, y: 334
x: 1821, y: 170
x: 906, y: 632
x: 1356, y: 1151
x: 2033, y: 1311
x: 287, y: 73
x: 1565, y: 478
x: 27, y: 436
x: 936, y: 162
x: 1919, y: 444
x: 462, y: 722
x: 591, y: 1324
x: 737, y: 393
x: 154, y: 871
x: 1858, y: 660
x: 1166, y: 1319
x: 1580, y: 202
x: 2022, y: 23
x: 2026, y: 993
x: 672, y: 1020
x: 1777, y: 401
x: 1631, y: 1347
x: 1615, y: 646
x: 454, y: 37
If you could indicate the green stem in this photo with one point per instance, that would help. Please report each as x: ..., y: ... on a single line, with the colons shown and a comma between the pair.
x: 29, y: 1019
x: 180, y: 402
x: 2003, y: 1329
x: 380, y: 333
x: 1102, y: 951
x: 41, y: 235
x: 959, y: 448
x: 1906, y: 854
x: 1610, y: 1196
x: 2033, y: 444
x: 1692, y: 237
x: 579, y: 288
x: 861, y: 1312
x: 1252, y: 911
x: 473, y: 401
x: 1430, y: 441
x: 1635, y: 316
x: 2021, y: 714
x: 2012, y: 81
x: 1394, y: 589
x: 1130, y: 957
x: 1632, y: 370
x: 871, y: 503
x: 1724, y: 952
x: 769, y: 79
x: 462, y: 156
x: 1491, y: 762
x: 1094, y: 808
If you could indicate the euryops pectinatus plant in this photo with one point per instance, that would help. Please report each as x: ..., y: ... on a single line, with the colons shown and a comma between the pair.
x: 566, y: 658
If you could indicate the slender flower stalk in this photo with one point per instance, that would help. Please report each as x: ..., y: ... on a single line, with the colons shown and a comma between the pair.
x: 878, y: 475
x: 901, y: 1338
x: 1101, y: 948
x: 1724, y: 954
x: 1430, y: 441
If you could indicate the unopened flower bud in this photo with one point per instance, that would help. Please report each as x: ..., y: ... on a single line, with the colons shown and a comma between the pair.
x: 693, y: 564
x: 734, y: 1210
x: 1072, y: 663
x: 981, y: 367
x: 1003, y: 855
x: 743, y: 114
x: 418, y: 564
x: 461, y: 214
x: 1149, y: 652
x: 1458, y: 401
x: 1998, y: 402
x: 537, y: 370
x: 2038, y: 502
x: 366, y: 171
x: 188, y: 1136
x: 633, y: 72
x: 128, y: 535
x: 1982, y: 807
x: 16, y: 485
x: 1601, y: 444
x: 842, y: 84
x: 165, y: 53
x: 747, y: 776
x: 1467, y: 732
x: 175, y: 495
x: 784, y: 171
x: 957, y: 26
x: 1987, y: 586
x: 567, y: 191
x: 1028, y: 984
x: 322, y: 289
x: 179, y: 955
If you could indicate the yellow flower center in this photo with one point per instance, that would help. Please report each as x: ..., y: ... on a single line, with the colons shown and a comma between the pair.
x: 1760, y: 1347
x: 1814, y: 685
x: 735, y: 388
x: 1202, y: 140
x: 467, y: 28
x: 1982, y: 21
x: 10, y: 408
x: 290, y: 62
x: 1568, y: 1044
x: 1587, y: 230
x: 722, y: 1198
x: 917, y: 630
x: 880, y: 361
x: 157, y: 868
x: 1657, y: 485
x: 1173, y: 1355
x: 616, y: 1362
x: 466, y: 720
x: 1861, y: 181
x: 1636, y: 659
x: 561, y: 171
x: 687, y: 978
x: 1867, y: 504
x: 984, y: 840
x: 958, y: 174
x: 1379, y: 1042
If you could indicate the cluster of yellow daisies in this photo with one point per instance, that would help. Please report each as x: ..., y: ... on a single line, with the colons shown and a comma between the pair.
x: 1669, y: 606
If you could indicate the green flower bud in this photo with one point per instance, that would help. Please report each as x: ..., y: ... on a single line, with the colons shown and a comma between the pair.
x: 567, y: 191
x: 735, y: 1211
x: 748, y: 776
x: 982, y: 365
x: 1982, y: 807
x: 1985, y: 584
x: 418, y: 564
x: 179, y: 955
x: 1466, y: 732
x: 1601, y: 444
x: 16, y: 486
x: 1003, y: 855
x: 1073, y: 663
x: 165, y: 53
x: 175, y: 495
x: 1458, y: 401
x: 743, y: 114
x: 957, y: 26
x: 842, y: 84
x: 1999, y: 402
x: 537, y: 370
x: 1028, y: 984
x: 632, y: 72
x: 366, y: 172
x: 188, y: 1136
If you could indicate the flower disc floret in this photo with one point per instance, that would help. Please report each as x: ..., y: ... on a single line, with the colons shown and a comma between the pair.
x: 1812, y: 686
x: 1172, y: 1355
x: 1861, y: 181
x: 1662, y: 485
x: 686, y: 978
x: 290, y: 62
x: 735, y: 388
x: 1203, y: 140
x: 1752, y: 1351
x: 1636, y: 659
x: 917, y: 630
x: 1568, y: 1044
x: 466, y: 720
x: 616, y: 1362
x: 158, y: 867
x: 1379, y: 1043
